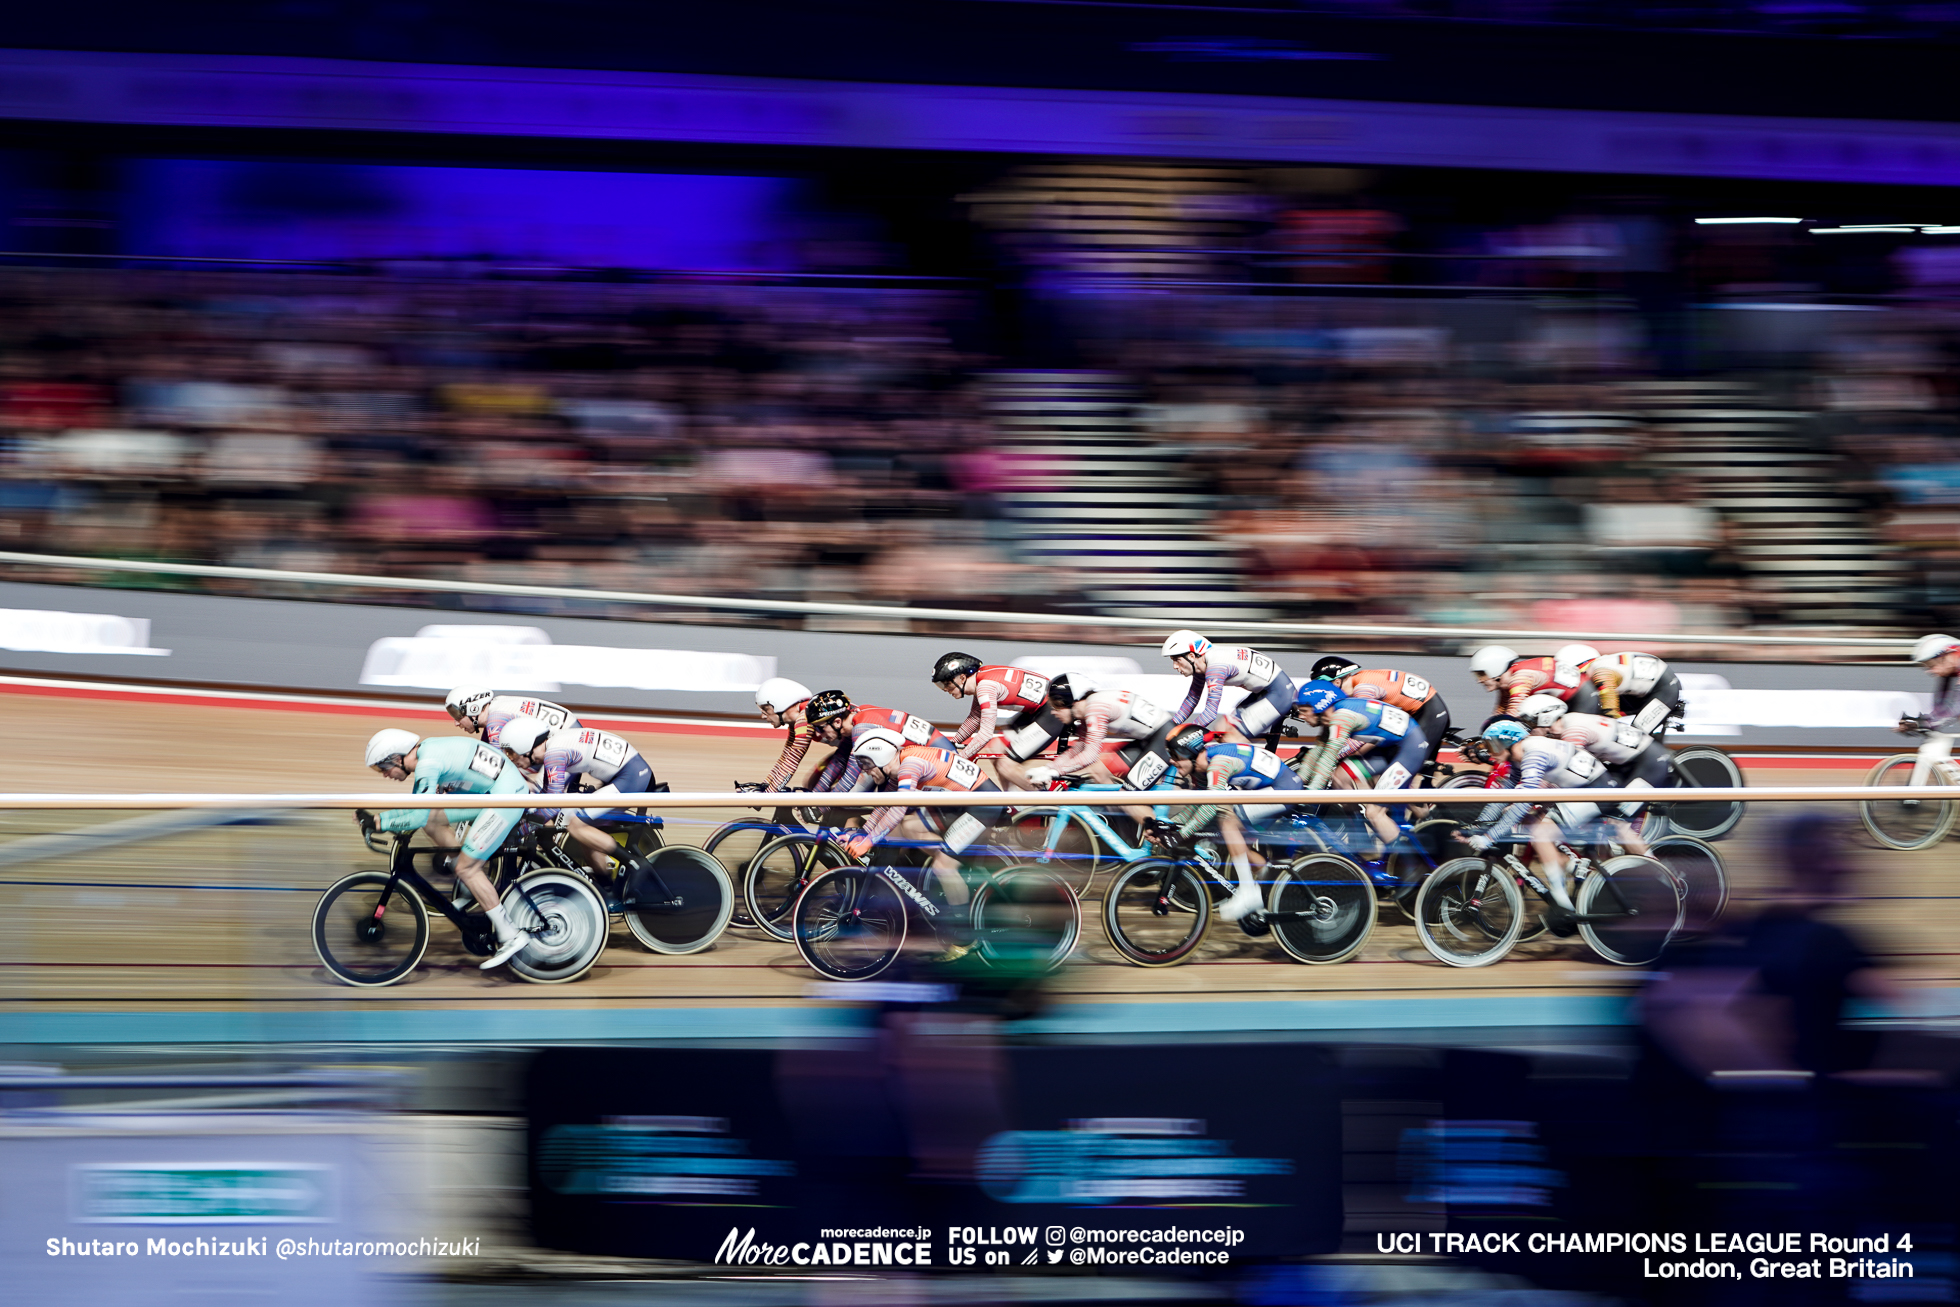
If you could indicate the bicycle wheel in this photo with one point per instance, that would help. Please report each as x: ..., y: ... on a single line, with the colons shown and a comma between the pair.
x: 566, y: 920
x: 1702, y: 767
x: 1433, y: 845
x: 1629, y: 909
x: 1904, y: 824
x: 707, y: 900
x: 1468, y: 913
x: 1322, y: 909
x: 1700, y: 877
x: 1026, y: 919
x: 1076, y: 854
x: 1463, y: 812
x: 849, y: 924
x: 1155, y: 912
x: 368, y: 933
x: 733, y: 845
x: 778, y: 873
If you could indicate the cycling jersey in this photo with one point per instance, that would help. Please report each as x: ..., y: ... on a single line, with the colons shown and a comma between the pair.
x: 1243, y: 767
x: 613, y: 764
x: 1630, y: 674
x: 1945, y: 713
x: 995, y: 688
x: 1121, y: 714
x: 1529, y: 676
x: 1612, y: 742
x: 1553, y: 764
x: 841, y: 772
x: 1357, y: 725
x: 1402, y: 690
x: 455, y: 764
x: 794, y: 748
x: 506, y: 706
x: 922, y: 767
x: 1248, y: 669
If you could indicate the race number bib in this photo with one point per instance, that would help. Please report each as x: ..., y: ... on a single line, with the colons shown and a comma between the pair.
x: 964, y: 773
x: 1584, y: 767
x: 917, y: 730
x: 1628, y: 736
x: 1643, y: 670
x: 1394, y: 720
x: 1415, y: 687
x: 1147, y: 716
x: 1147, y: 771
x: 487, y: 762
x: 1034, y: 688
x: 607, y: 750
x: 550, y: 714
x: 1265, y: 763
x: 1261, y: 669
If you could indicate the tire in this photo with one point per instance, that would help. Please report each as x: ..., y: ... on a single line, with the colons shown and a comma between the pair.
x: 733, y: 845
x: 1321, y: 909
x: 357, y: 946
x: 1638, y: 907
x: 1433, y: 838
x: 1904, y: 824
x: 1026, y: 920
x: 849, y: 924
x: 1469, y: 913
x: 1155, y: 912
x: 1699, y: 766
x: 1700, y: 877
x: 1463, y: 813
x: 778, y: 874
x: 567, y: 921
x: 699, y: 880
x: 1078, y: 853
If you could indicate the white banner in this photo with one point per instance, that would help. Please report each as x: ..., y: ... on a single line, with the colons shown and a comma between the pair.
x: 522, y: 658
x: 33, y: 630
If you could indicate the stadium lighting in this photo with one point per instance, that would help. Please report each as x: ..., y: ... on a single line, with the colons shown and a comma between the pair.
x: 1739, y: 222
x: 1940, y: 231
x: 1854, y: 229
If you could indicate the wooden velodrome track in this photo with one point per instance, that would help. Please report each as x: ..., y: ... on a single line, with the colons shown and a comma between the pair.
x: 217, y: 919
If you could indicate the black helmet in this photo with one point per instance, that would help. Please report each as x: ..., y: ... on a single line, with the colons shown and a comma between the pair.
x: 1063, y: 695
x: 827, y: 706
x: 1186, y: 742
x: 1335, y: 668
x: 952, y: 665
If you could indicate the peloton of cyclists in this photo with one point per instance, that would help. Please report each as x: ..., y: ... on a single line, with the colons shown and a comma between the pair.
x: 1540, y: 763
x: 1235, y: 765
x: 1413, y: 694
x: 1351, y: 728
x: 1633, y: 758
x: 603, y: 758
x: 838, y: 722
x: 1121, y: 740
x: 482, y: 712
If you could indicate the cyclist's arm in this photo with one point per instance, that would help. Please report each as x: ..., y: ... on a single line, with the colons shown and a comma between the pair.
x: 1530, y: 775
x: 1095, y: 729
x: 1202, y: 703
x: 826, y: 778
x: 1607, y: 680
x: 794, y: 750
x: 977, y: 731
x: 1218, y: 775
x: 403, y: 820
x: 885, y: 820
x: 1327, y: 753
x: 558, y: 765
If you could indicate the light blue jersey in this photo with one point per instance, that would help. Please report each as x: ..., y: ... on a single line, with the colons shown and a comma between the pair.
x: 457, y: 764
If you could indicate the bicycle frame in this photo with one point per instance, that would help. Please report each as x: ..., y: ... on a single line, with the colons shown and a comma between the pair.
x: 1935, y: 756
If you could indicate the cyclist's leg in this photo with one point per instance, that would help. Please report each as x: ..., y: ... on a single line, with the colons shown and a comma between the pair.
x: 1652, y: 768
x: 1434, y: 722
x: 599, y: 845
x: 1545, y: 834
x: 1259, y: 714
x: 1030, y: 735
x: 1246, y: 898
x: 488, y: 830
x: 960, y: 832
x: 1933, y: 753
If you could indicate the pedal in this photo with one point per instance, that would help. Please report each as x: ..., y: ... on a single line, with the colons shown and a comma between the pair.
x: 1561, y: 922
x: 1255, y: 925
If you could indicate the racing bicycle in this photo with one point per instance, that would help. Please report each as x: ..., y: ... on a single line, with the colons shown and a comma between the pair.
x: 1909, y: 825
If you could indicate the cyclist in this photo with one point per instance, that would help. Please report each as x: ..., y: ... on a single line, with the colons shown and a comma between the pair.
x: 482, y: 713
x: 1269, y: 690
x: 1940, y: 656
x: 1515, y: 678
x: 1413, y: 694
x: 993, y: 688
x: 836, y: 721
x: 1636, y: 685
x: 1122, y: 738
x: 1633, y: 758
x: 607, y: 761
x: 1352, y: 727
x: 1236, y: 766
x: 449, y: 765
x: 1539, y: 763
x: 893, y: 765
x: 781, y: 702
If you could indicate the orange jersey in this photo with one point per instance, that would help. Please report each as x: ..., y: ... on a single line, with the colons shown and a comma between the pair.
x: 1400, y: 689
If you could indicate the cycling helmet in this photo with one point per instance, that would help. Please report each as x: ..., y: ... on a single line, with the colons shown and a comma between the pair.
x: 827, y: 706
x: 391, y: 743
x: 1492, y: 660
x: 1335, y: 668
x: 780, y: 694
x: 1064, y: 693
x: 1504, y: 731
x: 1317, y: 695
x: 520, y: 735
x: 1575, y: 655
x: 467, y: 701
x: 1186, y: 742
x: 1928, y: 647
x: 952, y: 665
x: 1185, y: 642
x: 1541, y: 710
x: 878, y: 747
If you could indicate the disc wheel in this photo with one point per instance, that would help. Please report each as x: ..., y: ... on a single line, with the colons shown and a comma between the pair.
x: 1904, y: 824
x: 1026, y: 920
x: 734, y: 845
x: 1629, y: 909
x: 1321, y: 909
x: 566, y: 920
x: 1073, y: 851
x: 779, y: 872
x: 1701, y: 767
x: 1155, y: 912
x: 1700, y: 877
x: 1469, y: 913
x: 849, y: 924
x: 706, y: 902
x: 369, y: 929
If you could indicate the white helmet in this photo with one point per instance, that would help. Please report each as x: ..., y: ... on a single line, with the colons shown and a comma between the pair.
x: 1185, y: 642
x: 1491, y: 660
x: 780, y: 694
x: 520, y: 735
x: 1574, y: 655
x: 391, y: 743
x: 1541, y: 710
x: 1928, y: 647
x: 878, y: 747
x: 467, y: 701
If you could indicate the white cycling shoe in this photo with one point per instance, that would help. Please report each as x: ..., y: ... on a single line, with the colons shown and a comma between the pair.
x: 1244, y: 901
x: 507, y: 950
